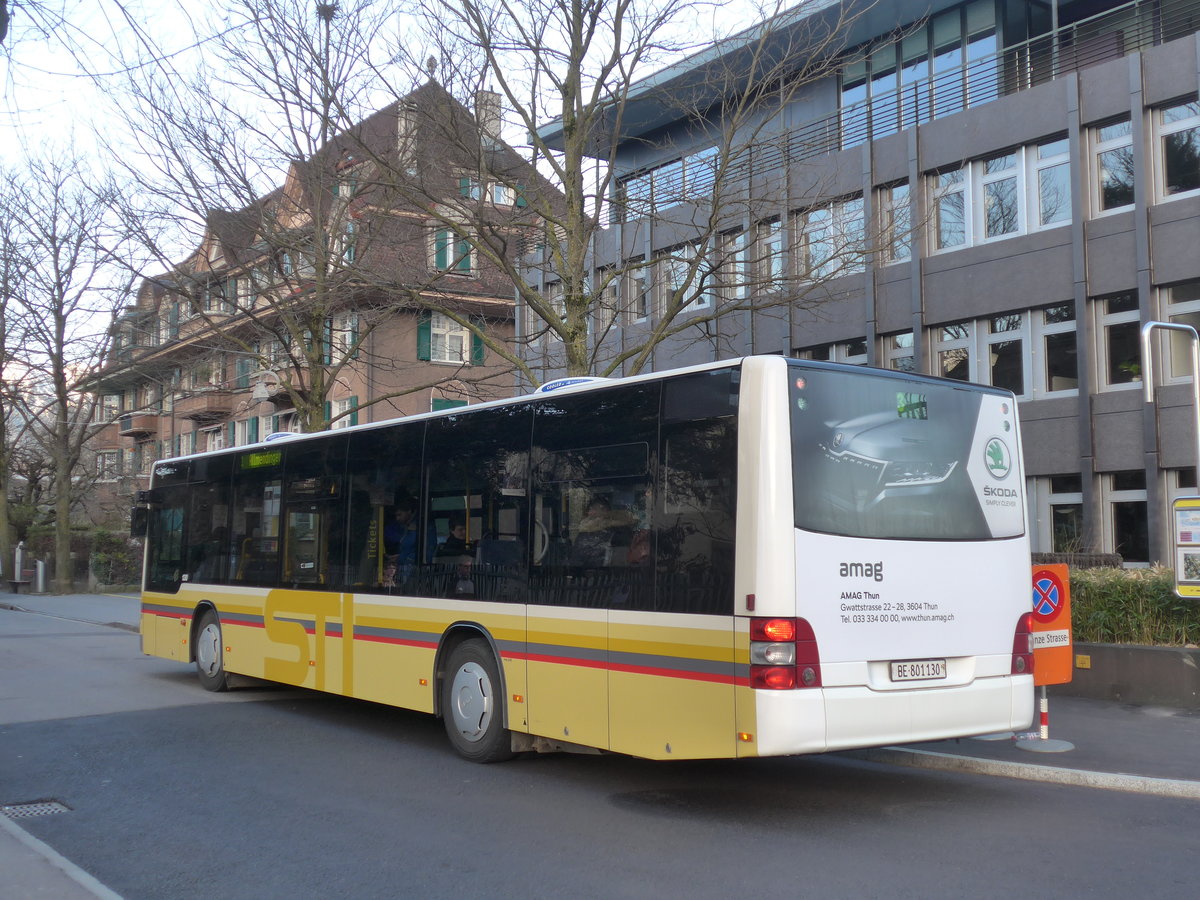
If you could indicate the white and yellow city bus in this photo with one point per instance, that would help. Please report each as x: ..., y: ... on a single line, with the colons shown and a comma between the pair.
x: 759, y: 557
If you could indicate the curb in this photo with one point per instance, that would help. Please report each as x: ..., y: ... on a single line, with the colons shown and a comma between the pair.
x: 1108, y: 781
x: 85, y: 881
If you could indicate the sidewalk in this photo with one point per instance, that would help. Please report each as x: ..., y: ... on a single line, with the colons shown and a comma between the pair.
x: 118, y: 610
x: 32, y: 868
x: 1141, y: 749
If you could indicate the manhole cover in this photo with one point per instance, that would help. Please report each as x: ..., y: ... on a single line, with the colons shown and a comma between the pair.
x: 33, y: 808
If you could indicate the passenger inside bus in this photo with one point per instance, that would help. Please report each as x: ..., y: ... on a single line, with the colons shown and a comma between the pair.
x: 603, y: 536
x: 456, y: 543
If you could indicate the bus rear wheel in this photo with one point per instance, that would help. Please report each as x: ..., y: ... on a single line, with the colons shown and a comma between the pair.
x: 472, y: 706
x: 210, y: 653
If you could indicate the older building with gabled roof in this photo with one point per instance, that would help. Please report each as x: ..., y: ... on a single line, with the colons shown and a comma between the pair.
x: 349, y: 294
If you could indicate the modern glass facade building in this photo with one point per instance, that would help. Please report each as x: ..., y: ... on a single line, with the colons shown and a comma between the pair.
x: 1000, y: 191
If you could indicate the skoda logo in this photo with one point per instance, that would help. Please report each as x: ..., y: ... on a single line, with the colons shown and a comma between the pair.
x: 997, y: 458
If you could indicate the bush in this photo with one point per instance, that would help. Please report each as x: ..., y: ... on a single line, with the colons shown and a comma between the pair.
x: 116, y: 559
x: 1131, y: 606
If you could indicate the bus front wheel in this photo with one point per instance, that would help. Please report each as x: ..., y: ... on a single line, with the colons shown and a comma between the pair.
x: 210, y: 656
x: 471, y: 704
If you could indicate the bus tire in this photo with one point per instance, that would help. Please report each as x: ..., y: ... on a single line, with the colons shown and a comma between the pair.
x: 209, y: 653
x: 472, y: 704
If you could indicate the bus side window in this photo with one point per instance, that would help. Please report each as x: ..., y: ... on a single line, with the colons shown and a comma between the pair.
x: 478, y: 502
x: 314, y: 534
x: 164, y: 568
x: 384, y: 534
x: 696, y: 524
x: 594, y: 463
x: 257, y: 496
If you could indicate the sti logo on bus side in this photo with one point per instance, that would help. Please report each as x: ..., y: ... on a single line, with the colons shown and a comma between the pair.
x: 862, y: 570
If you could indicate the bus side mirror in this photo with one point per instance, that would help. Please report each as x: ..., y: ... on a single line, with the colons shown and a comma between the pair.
x: 139, y: 521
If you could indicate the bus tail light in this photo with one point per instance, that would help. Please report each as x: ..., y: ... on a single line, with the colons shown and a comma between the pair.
x: 783, y: 655
x: 1022, y: 652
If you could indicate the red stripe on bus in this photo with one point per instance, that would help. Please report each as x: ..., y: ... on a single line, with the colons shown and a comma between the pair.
x: 404, y: 642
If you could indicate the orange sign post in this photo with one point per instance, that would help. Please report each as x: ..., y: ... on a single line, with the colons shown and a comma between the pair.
x: 1050, y: 635
x: 1051, y: 631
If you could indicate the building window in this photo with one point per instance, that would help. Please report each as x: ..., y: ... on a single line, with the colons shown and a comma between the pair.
x: 768, y: 255
x: 893, y: 85
x: 999, y: 195
x: 952, y: 350
x: 1183, y: 308
x: 898, y: 352
x: 1002, y: 196
x: 1066, y: 513
x: 1126, y: 502
x: 1055, y: 347
x: 636, y: 291
x: 344, y: 337
x: 449, y: 341
x: 1006, y: 360
x: 731, y: 249
x: 895, y: 224
x: 108, y: 464
x: 1179, y: 134
x: 830, y: 240
x: 1051, y: 184
x: 950, y: 209
x: 214, y: 438
x: 469, y: 188
x: 852, y: 352
x: 502, y: 194
x: 990, y: 351
x: 343, y: 413
x: 690, y: 178
x: 686, y: 281
x: 1113, y: 146
x: 1119, y: 330
x: 450, y: 252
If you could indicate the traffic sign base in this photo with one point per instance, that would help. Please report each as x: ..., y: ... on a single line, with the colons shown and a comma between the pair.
x: 998, y: 736
x: 1044, y: 745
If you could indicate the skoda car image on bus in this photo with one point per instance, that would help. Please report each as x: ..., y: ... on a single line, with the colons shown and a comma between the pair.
x: 757, y: 557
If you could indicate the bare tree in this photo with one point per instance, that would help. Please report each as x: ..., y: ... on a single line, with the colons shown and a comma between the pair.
x: 580, y: 66
x: 65, y: 293
x: 269, y: 190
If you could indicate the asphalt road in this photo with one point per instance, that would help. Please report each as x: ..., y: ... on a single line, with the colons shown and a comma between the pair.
x: 260, y: 793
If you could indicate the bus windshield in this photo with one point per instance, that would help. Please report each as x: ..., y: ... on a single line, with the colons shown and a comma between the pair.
x: 887, y: 456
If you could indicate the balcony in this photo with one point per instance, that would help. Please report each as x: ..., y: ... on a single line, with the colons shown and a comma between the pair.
x: 206, y: 406
x: 138, y: 425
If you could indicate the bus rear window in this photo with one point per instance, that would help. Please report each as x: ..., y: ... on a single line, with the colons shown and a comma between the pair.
x: 881, y: 456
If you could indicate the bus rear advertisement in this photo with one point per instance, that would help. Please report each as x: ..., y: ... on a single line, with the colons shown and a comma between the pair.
x: 757, y: 557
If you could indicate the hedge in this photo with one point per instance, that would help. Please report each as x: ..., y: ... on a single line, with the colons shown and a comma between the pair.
x: 1132, y: 606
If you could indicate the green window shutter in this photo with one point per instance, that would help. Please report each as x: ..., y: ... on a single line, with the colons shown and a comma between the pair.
x: 242, y: 381
x: 178, y: 445
x: 327, y: 343
x: 477, y: 349
x: 440, y: 403
x: 354, y: 410
x: 328, y: 412
x: 521, y: 201
x: 462, y: 255
x: 274, y: 424
x: 173, y: 320
x: 441, y: 249
x: 352, y: 335
x: 252, y: 431
x: 233, y: 434
x: 424, y: 335
x: 464, y: 187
